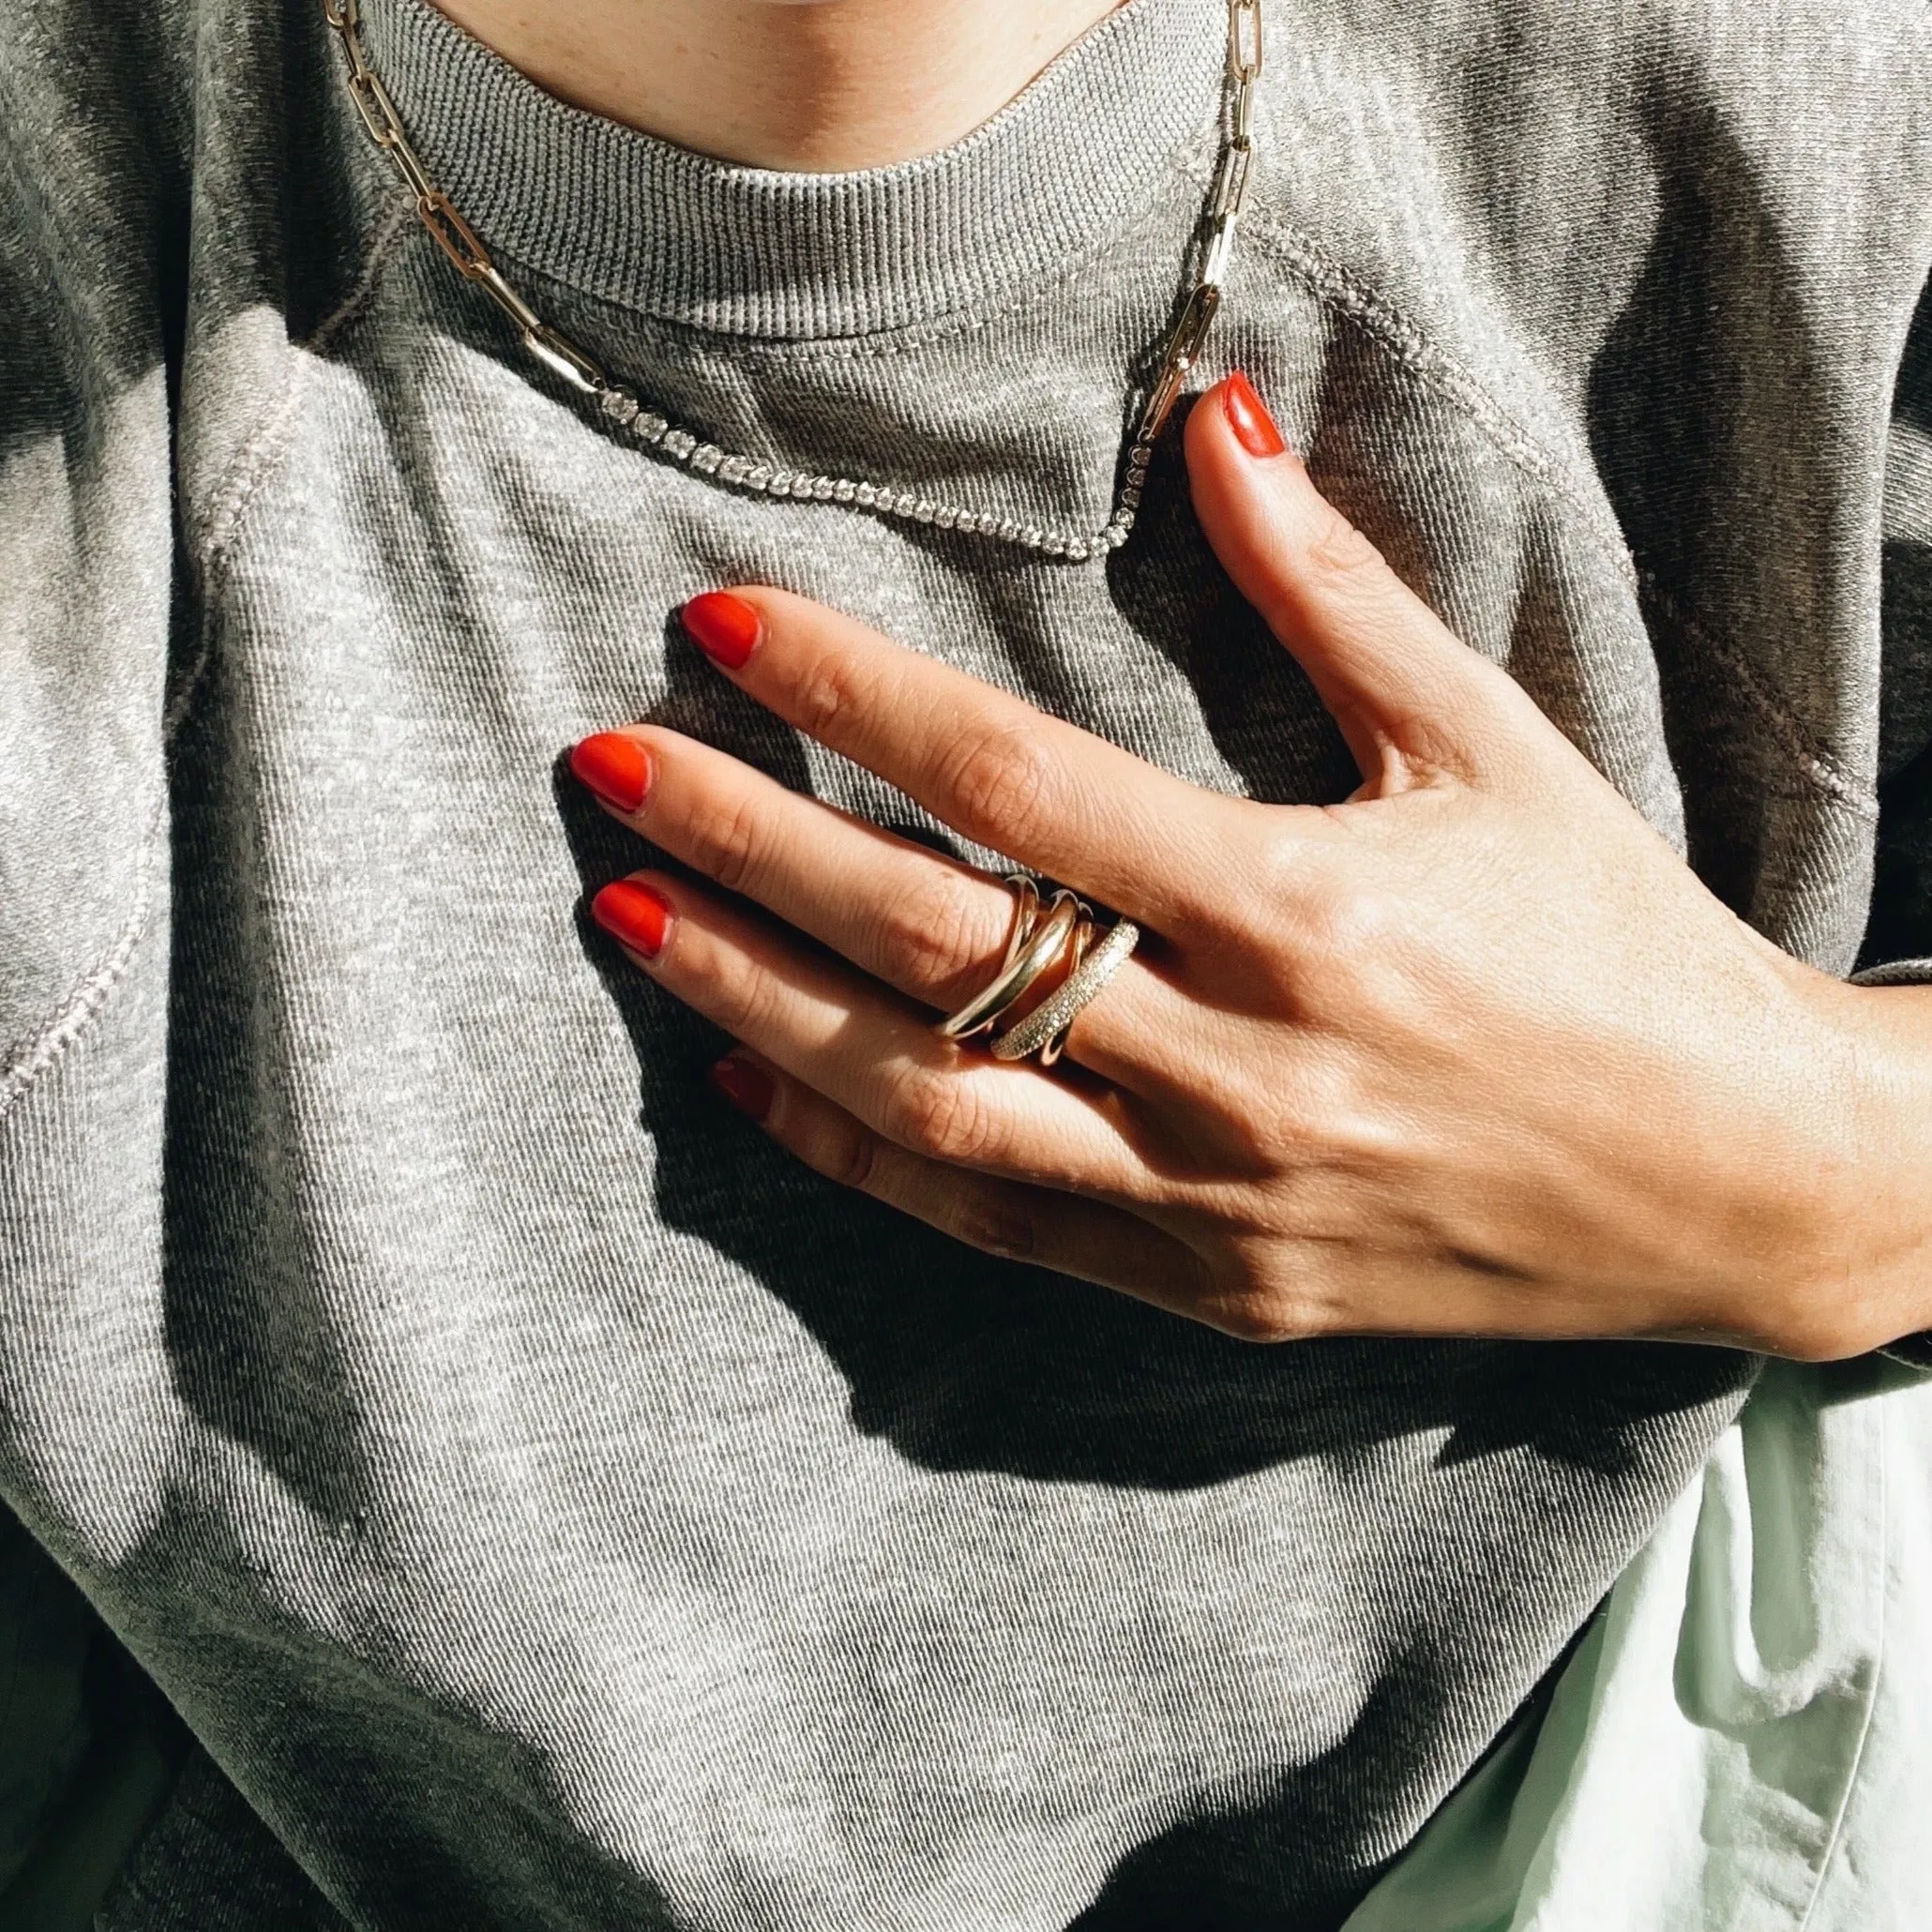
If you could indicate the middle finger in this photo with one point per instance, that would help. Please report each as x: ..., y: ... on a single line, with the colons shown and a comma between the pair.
x: 1063, y: 801
x: 850, y: 1039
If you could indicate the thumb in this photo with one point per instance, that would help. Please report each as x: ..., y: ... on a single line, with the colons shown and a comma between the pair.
x: 1410, y: 699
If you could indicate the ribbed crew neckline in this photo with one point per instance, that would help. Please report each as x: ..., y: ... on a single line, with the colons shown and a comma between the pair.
x: 636, y: 221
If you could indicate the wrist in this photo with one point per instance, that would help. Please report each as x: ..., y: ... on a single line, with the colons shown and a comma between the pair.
x: 1870, y: 1278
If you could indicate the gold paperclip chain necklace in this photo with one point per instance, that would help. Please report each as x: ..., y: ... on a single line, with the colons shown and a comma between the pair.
x: 557, y: 353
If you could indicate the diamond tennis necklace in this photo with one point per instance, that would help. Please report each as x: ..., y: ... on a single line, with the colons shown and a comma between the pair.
x: 1210, y: 249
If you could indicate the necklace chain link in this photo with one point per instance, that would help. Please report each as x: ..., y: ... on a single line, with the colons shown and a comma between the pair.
x: 580, y: 371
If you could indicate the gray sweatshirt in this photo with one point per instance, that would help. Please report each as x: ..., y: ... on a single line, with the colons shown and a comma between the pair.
x: 549, y: 1507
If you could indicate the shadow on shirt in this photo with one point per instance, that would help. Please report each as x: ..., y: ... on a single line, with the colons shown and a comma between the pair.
x: 964, y: 1361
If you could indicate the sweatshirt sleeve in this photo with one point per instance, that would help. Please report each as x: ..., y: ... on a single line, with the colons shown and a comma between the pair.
x: 1899, y: 940
x: 92, y: 238
x: 1897, y: 948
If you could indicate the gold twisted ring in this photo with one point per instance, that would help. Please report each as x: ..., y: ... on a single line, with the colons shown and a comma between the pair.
x: 1043, y: 1029
x: 1036, y: 946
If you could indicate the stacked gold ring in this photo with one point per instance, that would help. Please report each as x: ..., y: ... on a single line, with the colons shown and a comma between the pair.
x: 1062, y: 936
x: 1043, y: 1029
x: 1036, y: 944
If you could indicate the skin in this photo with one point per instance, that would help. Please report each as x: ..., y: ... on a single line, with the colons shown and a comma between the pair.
x: 1473, y: 1053
x: 815, y: 85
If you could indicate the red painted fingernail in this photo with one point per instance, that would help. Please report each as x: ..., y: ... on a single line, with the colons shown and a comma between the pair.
x: 615, y: 767
x: 1247, y: 417
x: 634, y: 915
x: 726, y: 628
x: 746, y: 1087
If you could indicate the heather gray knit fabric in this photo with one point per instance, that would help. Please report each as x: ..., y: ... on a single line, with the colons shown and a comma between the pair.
x: 550, y: 1507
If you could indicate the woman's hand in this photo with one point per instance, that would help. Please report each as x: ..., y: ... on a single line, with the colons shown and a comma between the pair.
x: 1473, y: 1053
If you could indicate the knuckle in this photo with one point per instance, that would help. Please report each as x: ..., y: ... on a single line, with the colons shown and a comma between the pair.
x: 1289, y: 1130
x: 941, y: 1115
x: 1351, y: 924
x: 932, y: 933
x: 726, y: 846
x: 822, y: 696
x: 1256, y: 1132
x: 1350, y: 951
x: 1266, y: 1291
x: 1264, y: 1317
x: 738, y: 994
x: 1285, y: 893
x: 1281, y: 869
x: 995, y: 1224
x: 850, y: 1155
x: 1248, y: 1321
x: 996, y: 781
x: 1338, y: 553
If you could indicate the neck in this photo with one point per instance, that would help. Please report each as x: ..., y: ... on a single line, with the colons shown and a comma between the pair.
x: 818, y: 86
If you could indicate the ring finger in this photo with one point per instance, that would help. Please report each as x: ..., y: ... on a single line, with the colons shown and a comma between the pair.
x: 845, y: 1035
x: 1092, y: 1239
x: 927, y: 925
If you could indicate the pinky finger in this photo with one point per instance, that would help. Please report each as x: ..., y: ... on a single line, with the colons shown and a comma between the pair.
x: 1009, y: 1219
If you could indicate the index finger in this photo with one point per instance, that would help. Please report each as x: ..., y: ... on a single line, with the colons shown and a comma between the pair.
x: 1056, y: 798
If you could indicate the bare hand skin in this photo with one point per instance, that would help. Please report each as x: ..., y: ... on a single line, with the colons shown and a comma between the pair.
x: 1471, y: 1054
x: 808, y: 84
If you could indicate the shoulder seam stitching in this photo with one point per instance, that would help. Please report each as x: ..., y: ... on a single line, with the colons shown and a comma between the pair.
x: 1339, y: 292
x: 208, y: 553
x: 1431, y: 366
x: 1827, y: 776
x: 227, y: 504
